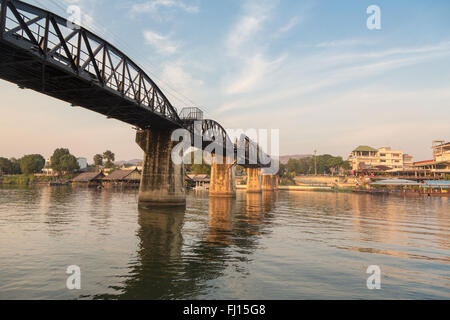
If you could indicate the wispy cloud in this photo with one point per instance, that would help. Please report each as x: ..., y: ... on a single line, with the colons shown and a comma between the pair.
x: 254, y: 70
x: 161, y: 43
x: 291, y: 84
x: 246, y: 49
x: 291, y: 24
x: 154, y: 5
x: 255, y: 13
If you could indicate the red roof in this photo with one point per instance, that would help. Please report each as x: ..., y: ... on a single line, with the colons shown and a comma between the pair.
x: 423, y: 162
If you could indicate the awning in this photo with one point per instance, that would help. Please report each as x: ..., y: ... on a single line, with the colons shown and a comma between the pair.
x: 396, y: 182
x: 437, y: 184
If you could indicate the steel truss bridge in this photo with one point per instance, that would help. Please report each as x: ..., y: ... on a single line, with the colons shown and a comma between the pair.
x: 44, y: 52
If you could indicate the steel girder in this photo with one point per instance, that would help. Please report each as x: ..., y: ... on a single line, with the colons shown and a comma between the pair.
x: 35, y: 41
x: 44, y: 52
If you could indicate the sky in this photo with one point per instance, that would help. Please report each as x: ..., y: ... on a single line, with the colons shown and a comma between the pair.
x: 311, y: 69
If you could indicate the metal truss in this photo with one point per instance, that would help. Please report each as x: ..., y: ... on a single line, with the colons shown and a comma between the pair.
x: 44, y: 52
x: 53, y: 41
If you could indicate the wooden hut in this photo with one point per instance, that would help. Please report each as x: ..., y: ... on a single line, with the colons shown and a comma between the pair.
x: 123, y: 178
x: 88, y: 179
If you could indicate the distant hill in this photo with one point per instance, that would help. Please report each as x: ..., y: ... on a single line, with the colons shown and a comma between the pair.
x: 285, y: 159
x: 133, y: 162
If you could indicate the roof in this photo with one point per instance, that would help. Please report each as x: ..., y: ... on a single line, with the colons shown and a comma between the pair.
x: 397, y: 182
x: 365, y: 148
x: 429, y: 162
x: 88, y: 176
x: 120, y: 174
x: 198, y: 177
x: 437, y: 184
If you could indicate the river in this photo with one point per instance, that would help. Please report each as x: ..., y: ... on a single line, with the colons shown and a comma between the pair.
x: 284, y: 245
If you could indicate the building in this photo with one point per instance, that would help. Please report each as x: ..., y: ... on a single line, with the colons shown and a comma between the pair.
x: 441, y: 151
x: 88, y: 179
x: 408, y: 163
x: 363, y: 156
x: 48, y: 171
x: 82, y: 163
x: 123, y: 178
x: 198, y: 181
x: 439, y: 167
x: 385, y: 159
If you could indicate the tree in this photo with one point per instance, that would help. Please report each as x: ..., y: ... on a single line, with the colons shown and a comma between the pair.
x: 109, y: 157
x: 69, y: 163
x: 63, y: 161
x: 98, y: 160
x: 33, y: 163
x: 6, y: 166
x: 15, y: 166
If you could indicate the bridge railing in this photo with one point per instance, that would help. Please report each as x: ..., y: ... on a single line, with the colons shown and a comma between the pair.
x: 61, y: 43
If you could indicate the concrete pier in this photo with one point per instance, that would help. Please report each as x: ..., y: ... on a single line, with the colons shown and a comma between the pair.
x: 276, y: 182
x: 254, y: 180
x: 267, y: 182
x: 162, y: 181
x: 222, y: 179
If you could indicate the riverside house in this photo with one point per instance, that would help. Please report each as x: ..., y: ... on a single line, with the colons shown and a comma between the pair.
x: 88, y: 179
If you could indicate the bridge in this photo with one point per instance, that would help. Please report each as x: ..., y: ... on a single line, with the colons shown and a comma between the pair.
x: 46, y: 53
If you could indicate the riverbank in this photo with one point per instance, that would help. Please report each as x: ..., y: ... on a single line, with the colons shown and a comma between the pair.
x: 31, y: 180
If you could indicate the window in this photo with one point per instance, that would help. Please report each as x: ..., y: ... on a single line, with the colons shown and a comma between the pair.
x: 382, y: 154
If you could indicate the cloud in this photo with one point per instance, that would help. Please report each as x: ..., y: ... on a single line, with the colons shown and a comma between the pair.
x: 155, y: 5
x: 249, y: 64
x: 291, y: 24
x: 254, y: 71
x: 313, y: 74
x: 161, y: 43
x: 180, y: 81
x: 247, y: 25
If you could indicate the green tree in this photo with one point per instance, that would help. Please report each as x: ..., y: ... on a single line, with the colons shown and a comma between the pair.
x: 6, y: 166
x: 98, y: 160
x: 15, y: 166
x: 33, y: 163
x: 60, y: 166
x: 109, y: 157
x: 69, y: 163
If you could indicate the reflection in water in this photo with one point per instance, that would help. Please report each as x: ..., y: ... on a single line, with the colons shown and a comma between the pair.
x: 220, y: 222
x: 157, y: 273
x: 274, y: 245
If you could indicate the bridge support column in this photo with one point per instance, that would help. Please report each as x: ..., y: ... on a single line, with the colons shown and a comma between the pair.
x: 254, y: 180
x: 162, y: 181
x: 222, y: 179
x: 267, y: 182
x: 275, y: 182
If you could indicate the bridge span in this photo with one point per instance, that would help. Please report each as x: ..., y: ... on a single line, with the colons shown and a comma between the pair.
x: 44, y: 52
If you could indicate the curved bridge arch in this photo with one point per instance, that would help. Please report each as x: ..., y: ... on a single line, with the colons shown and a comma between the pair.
x: 44, y: 52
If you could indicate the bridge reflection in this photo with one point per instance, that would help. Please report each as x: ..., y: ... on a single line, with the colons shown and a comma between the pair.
x: 168, y: 267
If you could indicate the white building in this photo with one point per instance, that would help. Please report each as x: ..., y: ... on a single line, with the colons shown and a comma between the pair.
x: 82, y: 162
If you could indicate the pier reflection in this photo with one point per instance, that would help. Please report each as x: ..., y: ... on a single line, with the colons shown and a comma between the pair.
x: 167, y: 268
x: 220, y: 222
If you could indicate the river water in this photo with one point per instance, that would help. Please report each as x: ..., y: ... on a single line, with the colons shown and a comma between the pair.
x: 284, y: 245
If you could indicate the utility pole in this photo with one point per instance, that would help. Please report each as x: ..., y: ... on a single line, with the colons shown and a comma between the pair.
x: 315, y: 162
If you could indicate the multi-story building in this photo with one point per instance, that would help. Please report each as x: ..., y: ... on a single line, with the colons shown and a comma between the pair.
x: 391, y: 158
x: 365, y: 157
x: 441, y: 150
x: 408, y: 163
x: 440, y: 165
